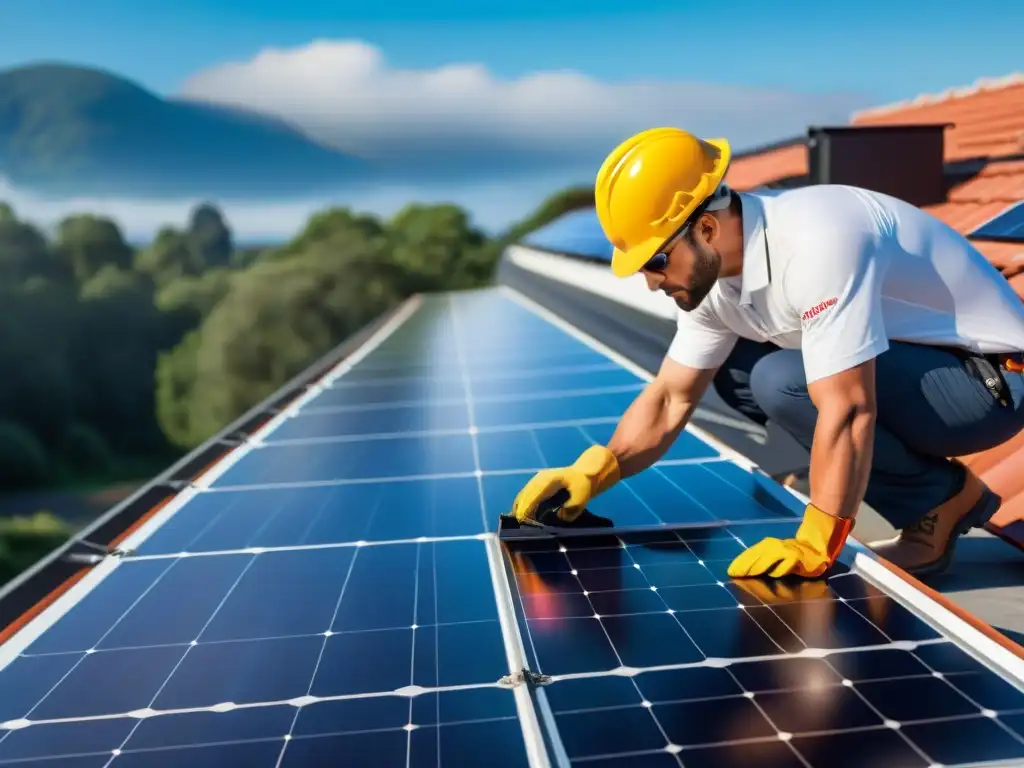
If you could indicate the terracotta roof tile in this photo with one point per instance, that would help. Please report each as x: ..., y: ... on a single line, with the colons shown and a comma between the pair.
x: 754, y: 170
x: 974, y: 201
x: 988, y: 117
x: 988, y: 122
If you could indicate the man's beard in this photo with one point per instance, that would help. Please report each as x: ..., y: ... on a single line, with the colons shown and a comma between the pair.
x: 705, y: 274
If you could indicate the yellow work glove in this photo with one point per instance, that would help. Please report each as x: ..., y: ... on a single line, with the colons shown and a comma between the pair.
x: 592, y: 473
x: 813, y: 550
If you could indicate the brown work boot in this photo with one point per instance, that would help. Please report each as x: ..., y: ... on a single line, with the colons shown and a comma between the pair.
x: 926, y: 547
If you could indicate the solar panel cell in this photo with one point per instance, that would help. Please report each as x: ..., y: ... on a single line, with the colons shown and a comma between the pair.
x: 83, y: 629
x: 421, y: 390
x: 377, y: 421
x: 575, y: 405
x: 97, y: 737
x: 326, y: 514
x: 318, y: 462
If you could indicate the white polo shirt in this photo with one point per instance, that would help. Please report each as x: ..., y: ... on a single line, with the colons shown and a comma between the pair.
x: 838, y: 272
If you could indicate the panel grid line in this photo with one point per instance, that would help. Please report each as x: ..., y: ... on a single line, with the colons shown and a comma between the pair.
x: 299, y: 703
x: 488, y: 376
x: 379, y: 479
x: 102, y: 637
x: 323, y: 646
x: 180, y: 661
x: 527, y: 717
x: 561, y: 394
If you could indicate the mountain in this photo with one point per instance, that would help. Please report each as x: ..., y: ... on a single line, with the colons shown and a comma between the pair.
x: 72, y: 130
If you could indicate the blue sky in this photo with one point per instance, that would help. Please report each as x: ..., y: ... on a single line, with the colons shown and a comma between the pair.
x: 751, y: 70
x: 888, y: 50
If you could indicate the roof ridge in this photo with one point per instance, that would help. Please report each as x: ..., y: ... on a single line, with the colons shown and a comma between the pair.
x: 957, y: 92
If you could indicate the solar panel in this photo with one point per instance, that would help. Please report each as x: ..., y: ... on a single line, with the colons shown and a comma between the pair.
x: 577, y: 232
x: 1009, y: 226
x: 653, y: 654
x: 335, y: 593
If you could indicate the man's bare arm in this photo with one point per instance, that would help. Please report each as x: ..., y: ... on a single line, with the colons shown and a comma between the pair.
x: 843, y: 439
x: 657, y: 416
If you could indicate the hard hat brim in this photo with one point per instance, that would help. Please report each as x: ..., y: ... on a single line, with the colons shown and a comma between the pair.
x: 628, y: 262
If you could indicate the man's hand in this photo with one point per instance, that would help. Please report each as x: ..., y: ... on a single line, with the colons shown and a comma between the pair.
x: 593, y: 472
x: 645, y: 431
x: 840, y: 464
x: 813, y: 550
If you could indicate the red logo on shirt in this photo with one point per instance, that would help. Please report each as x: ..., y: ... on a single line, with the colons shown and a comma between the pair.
x: 817, y: 309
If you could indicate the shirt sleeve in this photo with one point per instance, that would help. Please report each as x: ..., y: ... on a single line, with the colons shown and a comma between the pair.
x: 701, y: 341
x: 834, y: 282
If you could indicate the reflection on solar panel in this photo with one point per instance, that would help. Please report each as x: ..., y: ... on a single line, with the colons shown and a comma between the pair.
x: 656, y: 657
x: 1009, y: 226
x: 578, y: 233
x: 335, y: 594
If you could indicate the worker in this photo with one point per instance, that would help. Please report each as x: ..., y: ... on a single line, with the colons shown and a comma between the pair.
x: 878, y: 337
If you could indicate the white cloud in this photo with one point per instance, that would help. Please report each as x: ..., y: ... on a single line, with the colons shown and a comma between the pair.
x: 344, y: 93
x: 457, y: 133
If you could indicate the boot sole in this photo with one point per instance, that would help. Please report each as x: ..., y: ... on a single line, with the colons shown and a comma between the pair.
x: 980, y: 514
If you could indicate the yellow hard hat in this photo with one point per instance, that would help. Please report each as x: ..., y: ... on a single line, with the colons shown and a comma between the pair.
x: 649, y: 185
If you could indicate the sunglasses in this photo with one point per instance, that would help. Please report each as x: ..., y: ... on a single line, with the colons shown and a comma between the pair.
x: 656, y: 263
x: 659, y: 261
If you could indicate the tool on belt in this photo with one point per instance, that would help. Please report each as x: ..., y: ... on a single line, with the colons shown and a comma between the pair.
x: 989, y: 370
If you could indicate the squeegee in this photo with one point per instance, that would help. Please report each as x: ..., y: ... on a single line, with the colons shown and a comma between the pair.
x: 546, y: 522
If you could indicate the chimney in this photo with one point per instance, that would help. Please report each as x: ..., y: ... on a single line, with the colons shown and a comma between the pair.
x: 905, y: 161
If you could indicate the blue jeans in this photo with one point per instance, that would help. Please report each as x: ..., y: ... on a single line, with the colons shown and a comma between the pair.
x: 930, y: 407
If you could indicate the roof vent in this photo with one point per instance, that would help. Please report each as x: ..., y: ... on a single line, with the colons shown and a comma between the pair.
x: 905, y: 161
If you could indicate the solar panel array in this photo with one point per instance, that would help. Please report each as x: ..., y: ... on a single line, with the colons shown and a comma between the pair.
x: 578, y: 233
x: 335, y: 595
x: 1009, y: 225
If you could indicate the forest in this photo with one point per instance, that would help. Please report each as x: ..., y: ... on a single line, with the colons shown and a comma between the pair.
x: 117, y: 360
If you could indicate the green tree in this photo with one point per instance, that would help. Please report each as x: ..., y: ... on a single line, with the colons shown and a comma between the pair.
x: 171, y: 256
x: 210, y: 236
x: 176, y: 381
x: 24, y: 252
x: 337, y: 225
x: 277, y: 318
x: 197, y: 295
x: 40, y: 389
x: 23, y: 459
x: 435, y: 248
x: 119, y: 335
x: 83, y: 450
x: 88, y: 243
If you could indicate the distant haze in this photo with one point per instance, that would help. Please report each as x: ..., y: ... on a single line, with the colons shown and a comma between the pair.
x: 289, y: 132
x: 493, y: 207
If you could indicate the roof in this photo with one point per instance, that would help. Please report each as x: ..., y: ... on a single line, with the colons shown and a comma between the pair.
x: 988, y: 117
x: 988, y: 122
x: 972, y: 202
x: 754, y: 169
